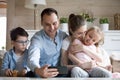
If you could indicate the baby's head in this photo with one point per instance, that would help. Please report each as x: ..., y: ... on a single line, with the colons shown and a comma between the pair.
x: 19, y: 38
x: 93, y: 36
x: 77, y: 26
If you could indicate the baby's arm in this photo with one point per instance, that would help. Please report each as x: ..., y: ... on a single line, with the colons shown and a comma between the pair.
x: 78, y: 62
x: 92, y: 54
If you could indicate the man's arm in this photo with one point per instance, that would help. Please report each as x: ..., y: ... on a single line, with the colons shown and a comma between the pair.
x: 33, y: 58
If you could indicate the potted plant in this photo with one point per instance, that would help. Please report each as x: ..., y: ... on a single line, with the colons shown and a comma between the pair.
x: 104, y: 24
x: 63, y: 20
x: 2, y: 52
x: 64, y: 24
x: 89, y: 19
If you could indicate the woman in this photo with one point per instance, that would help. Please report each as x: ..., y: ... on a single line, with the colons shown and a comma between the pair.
x: 77, y: 28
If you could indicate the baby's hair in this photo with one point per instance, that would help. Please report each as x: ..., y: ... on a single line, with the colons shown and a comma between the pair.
x: 100, y: 32
x: 75, y: 22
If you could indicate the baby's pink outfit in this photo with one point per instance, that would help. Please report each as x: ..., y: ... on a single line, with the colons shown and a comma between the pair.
x: 116, y: 75
x: 82, y: 56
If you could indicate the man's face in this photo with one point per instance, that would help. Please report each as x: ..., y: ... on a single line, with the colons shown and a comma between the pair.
x: 50, y: 24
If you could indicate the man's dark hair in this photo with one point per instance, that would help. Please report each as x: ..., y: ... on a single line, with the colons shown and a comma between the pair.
x: 14, y: 33
x: 48, y: 11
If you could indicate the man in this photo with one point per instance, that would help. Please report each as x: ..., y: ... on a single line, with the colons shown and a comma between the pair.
x: 44, y: 50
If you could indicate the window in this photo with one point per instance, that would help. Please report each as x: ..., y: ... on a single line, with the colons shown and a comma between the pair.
x: 2, y: 32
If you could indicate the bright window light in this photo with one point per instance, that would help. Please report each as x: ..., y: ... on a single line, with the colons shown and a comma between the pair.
x: 2, y: 32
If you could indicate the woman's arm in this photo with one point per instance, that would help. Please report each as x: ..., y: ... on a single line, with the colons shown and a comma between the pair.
x: 74, y: 59
x: 64, y: 58
x: 71, y: 54
x: 83, y: 65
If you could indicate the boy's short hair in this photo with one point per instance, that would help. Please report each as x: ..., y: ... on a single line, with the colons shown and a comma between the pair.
x: 14, y: 33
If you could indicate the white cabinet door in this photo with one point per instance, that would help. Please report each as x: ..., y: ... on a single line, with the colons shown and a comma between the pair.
x: 31, y: 33
x: 112, y: 41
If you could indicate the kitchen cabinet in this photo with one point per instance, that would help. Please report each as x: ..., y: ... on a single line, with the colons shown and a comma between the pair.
x: 112, y: 41
x: 31, y: 33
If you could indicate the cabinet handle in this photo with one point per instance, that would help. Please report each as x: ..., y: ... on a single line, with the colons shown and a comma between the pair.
x: 115, y: 39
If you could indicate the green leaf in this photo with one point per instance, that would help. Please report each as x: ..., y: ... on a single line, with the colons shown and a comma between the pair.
x: 87, y: 17
x: 103, y: 20
x: 63, y: 20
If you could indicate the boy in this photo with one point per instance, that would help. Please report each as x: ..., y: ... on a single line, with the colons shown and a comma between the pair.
x: 15, y: 60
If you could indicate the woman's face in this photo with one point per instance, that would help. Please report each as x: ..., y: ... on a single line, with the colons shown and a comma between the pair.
x: 91, y: 38
x: 79, y: 33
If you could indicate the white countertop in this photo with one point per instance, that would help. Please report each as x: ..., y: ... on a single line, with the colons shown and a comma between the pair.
x: 24, y: 78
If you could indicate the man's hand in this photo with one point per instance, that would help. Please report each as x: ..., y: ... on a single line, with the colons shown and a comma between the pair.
x: 45, y: 72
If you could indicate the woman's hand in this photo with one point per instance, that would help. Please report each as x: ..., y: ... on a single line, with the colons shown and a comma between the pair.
x: 88, y: 65
x: 45, y: 72
x: 109, y: 67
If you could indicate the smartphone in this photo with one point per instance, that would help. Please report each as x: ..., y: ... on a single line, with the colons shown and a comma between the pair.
x: 61, y: 69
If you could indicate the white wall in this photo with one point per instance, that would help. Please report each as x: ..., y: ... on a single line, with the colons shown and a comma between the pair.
x: 20, y: 16
x: 99, y: 8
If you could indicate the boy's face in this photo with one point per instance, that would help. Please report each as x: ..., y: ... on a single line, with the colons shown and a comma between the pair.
x: 91, y: 38
x: 21, y: 43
